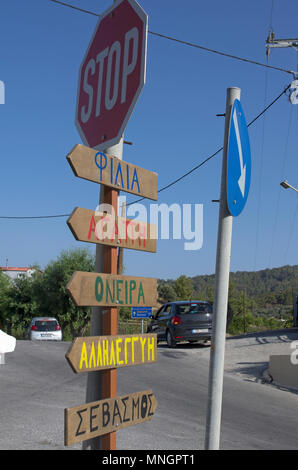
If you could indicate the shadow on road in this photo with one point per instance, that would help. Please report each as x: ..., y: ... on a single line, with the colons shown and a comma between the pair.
x: 253, y: 370
x: 270, y: 336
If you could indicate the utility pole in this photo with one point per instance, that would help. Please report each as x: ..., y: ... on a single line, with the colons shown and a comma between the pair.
x: 244, y: 311
x: 224, y: 240
x: 272, y: 42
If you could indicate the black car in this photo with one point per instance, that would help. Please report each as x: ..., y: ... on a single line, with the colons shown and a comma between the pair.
x: 182, y: 321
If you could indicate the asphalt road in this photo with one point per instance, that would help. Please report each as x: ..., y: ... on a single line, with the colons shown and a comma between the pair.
x: 36, y: 384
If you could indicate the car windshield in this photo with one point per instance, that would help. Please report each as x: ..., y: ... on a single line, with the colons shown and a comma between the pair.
x: 194, y: 308
x: 46, y: 325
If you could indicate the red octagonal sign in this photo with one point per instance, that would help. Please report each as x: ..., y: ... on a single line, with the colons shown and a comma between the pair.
x: 112, y: 74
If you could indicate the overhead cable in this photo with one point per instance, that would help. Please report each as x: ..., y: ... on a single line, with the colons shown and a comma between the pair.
x: 169, y: 184
x: 187, y: 43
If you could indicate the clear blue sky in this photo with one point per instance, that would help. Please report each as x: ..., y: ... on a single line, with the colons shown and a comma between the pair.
x: 173, y: 127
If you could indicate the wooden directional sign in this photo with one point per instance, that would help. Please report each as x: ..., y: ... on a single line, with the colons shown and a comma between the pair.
x: 102, y: 417
x: 111, y: 290
x: 95, y: 227
x: 98, y: 167
x: 106, y: 352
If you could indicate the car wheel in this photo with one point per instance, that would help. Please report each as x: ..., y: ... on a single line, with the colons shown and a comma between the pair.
x: 170, y: 340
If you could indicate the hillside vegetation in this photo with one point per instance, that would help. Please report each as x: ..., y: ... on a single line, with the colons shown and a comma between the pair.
x: 259, y: 300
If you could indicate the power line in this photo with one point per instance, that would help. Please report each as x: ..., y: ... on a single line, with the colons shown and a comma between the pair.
x: 190, y: 44
x: 75, y: 8
x: 260, y: 177
x: 217, y: 151
x: 177, y: 179
x: 34, y: 216
x: 225, y: 54
x: 283, y: 175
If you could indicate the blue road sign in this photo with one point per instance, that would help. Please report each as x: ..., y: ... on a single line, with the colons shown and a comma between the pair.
x: 239, y: 161
x: 141, y: 312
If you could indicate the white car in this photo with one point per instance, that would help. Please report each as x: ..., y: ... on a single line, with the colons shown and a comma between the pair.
x: 45, y: 328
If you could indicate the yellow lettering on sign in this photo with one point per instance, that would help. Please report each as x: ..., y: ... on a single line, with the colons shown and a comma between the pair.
x: 92, y: 356
x: 105, y: 348
x: 143, y: 341
x: 84, y: 356
x: 134, y: 339
x: 118, y: 350
x: 112, y: 355
x: 127, y: 340
x: 99, y: 354
x: 151, y: 348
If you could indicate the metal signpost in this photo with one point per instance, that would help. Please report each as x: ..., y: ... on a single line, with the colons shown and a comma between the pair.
x: 235, y: 182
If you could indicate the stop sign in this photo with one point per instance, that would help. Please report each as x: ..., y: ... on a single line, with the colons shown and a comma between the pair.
x: 112, y: 74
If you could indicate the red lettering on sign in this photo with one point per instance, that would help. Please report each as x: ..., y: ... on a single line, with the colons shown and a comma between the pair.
x: 92, y: 227
x: 142, y: 234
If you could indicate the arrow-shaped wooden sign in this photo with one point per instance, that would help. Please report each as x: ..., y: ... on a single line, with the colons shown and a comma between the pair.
x: 108, y: 352
x: 98, y: 167
x: 111, y: 414
x: 95, y: 227
x: 111, y: 290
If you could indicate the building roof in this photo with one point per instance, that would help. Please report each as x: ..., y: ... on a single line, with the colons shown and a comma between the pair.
x: 6, y: 268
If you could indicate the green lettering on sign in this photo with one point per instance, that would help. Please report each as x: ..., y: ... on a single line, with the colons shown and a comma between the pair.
x: 119, y: 281
x: 108, y: 291
x: 98, y: 295
x: 132, y: 286
x: 141, y: 293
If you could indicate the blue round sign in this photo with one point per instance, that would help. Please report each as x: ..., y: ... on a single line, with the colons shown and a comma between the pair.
x: 238, y: 161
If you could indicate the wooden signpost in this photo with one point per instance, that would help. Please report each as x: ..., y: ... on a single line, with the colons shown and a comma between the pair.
x: 100, y: 121
x: 92, y: 165
x: 107, y: 229
x: 106, y: 352
x: 105, y: 416
x: 110, y: 290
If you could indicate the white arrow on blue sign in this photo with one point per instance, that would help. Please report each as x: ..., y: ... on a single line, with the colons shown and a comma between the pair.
x: 239, y: 161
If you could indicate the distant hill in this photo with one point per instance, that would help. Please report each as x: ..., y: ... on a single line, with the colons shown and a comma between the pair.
x: 269, y: 286
x: 256, y: 283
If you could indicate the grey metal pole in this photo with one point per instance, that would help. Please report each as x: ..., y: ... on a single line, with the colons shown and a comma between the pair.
x: 224, y: 240
x: 93, y: 388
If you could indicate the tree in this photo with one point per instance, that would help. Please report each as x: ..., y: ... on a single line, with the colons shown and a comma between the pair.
x: 166, y: 293
x: 183, y: 288
x: 53, y: 297
x: 5, y: 286
x: 17, y: 302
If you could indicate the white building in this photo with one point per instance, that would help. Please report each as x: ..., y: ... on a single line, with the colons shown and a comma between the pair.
x: 14, y: 273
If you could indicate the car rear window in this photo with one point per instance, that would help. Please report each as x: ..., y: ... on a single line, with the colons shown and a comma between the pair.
x: 46, y: 325
x: 194, y: 308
